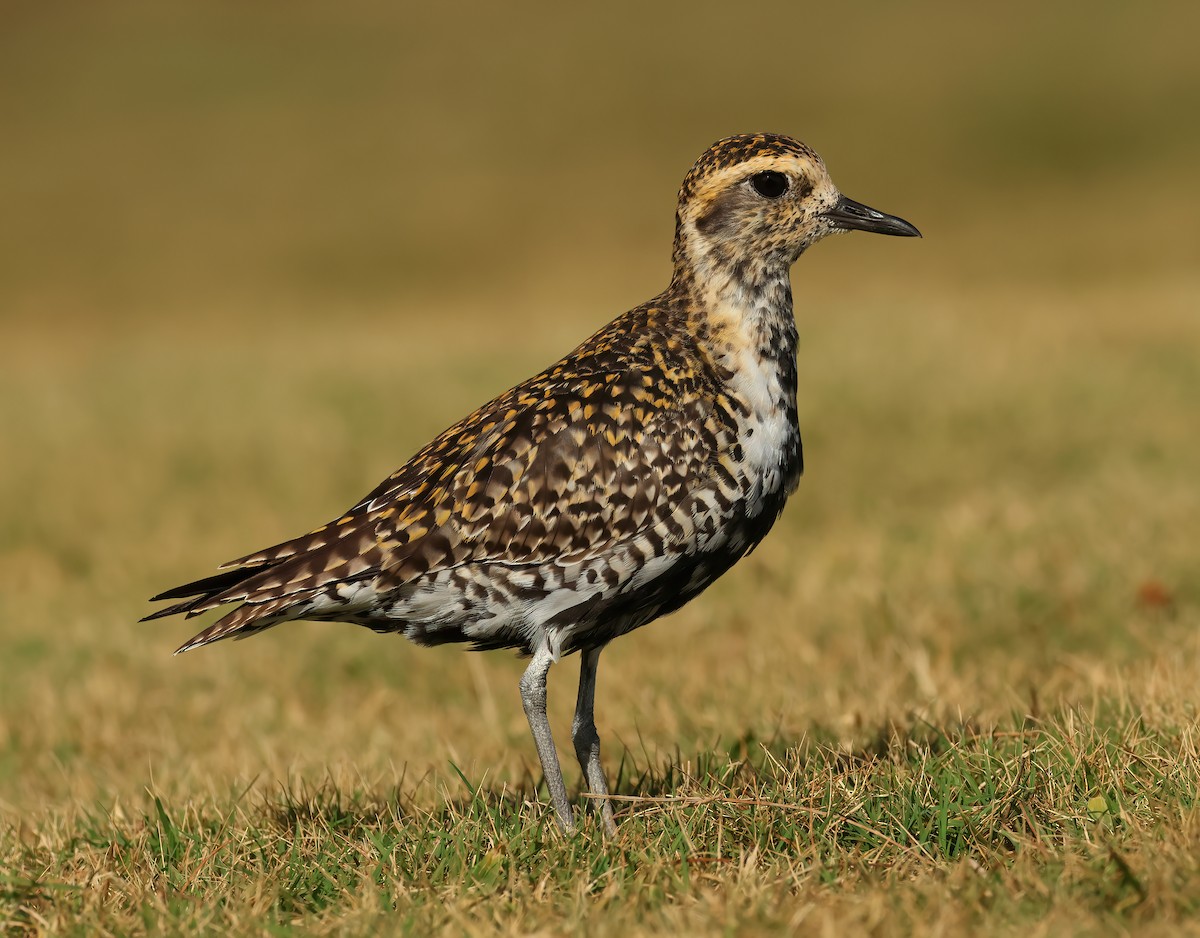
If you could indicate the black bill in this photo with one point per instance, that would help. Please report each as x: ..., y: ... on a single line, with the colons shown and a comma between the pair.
x: 854, y: 216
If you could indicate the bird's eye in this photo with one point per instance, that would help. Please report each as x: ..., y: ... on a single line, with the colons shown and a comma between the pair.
x: 770, y: 185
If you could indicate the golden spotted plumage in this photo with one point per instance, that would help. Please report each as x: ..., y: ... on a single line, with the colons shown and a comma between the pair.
x: 603, y: 492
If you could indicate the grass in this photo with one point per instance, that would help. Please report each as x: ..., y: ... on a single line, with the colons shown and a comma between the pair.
x: 954, y: 690
x: 925, y: 827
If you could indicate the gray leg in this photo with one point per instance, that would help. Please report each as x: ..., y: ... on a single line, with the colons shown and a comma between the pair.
x: 533, y: 697
x: 587, y: 740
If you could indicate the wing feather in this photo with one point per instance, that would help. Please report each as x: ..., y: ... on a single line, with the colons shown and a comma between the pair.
x: 574, y: 461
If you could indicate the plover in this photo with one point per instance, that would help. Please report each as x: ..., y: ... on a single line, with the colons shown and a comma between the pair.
x: 602, y: 493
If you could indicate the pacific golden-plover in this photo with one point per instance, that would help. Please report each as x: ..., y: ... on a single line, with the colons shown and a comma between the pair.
x: 602, y: 493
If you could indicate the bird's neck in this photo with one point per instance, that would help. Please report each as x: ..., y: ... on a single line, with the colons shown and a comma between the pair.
x: 742, y: 323
x: 735, y: 309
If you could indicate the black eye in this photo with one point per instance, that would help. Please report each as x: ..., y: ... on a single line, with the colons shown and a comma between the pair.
x: 769, y: 185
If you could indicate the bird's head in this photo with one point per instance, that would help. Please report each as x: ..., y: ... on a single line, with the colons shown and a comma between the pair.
x: 754, y: 203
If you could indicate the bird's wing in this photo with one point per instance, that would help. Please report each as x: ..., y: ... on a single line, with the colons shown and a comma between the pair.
x: 559, y: 470
x: 567, y: 463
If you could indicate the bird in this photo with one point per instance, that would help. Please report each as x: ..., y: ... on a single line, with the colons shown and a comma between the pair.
x: 605, y: 491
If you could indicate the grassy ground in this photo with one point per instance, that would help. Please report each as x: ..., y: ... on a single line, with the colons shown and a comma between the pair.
x: 249, y: 263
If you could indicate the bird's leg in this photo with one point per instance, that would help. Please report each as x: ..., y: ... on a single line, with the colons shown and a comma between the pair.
x: 587, y: 740
x: 533, y: 697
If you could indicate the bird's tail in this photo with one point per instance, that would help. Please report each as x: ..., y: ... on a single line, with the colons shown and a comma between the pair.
x: 201, y: 595
x: 277, y: 584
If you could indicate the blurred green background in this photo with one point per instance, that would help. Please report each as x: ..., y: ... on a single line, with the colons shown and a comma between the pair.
x: 170, y: 163
x: 252, y: 255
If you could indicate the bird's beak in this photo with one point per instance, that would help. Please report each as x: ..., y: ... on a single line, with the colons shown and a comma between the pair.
x: 848, y: 215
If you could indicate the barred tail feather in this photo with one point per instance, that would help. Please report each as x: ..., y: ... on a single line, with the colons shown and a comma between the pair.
x: 242, y: 622
x: 197, y: 594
